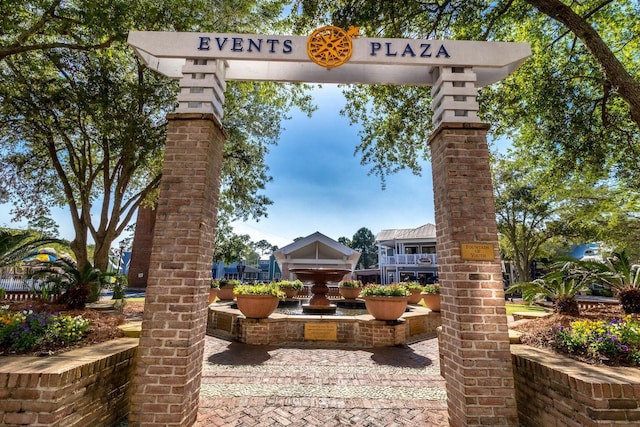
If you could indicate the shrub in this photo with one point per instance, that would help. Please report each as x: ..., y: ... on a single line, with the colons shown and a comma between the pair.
x: 393, y: 290
x: 26, y: 330
x: 568, y: 278
x: 350, y: 284
x: 601, y: 341
x: 118, y: 285
x: 76, y: 285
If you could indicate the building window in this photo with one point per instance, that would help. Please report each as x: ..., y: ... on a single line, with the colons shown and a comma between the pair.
x: 425, y: 278
x: 406, y: 276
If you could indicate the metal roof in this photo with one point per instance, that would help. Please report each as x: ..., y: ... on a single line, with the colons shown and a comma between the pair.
x: 427, y: 231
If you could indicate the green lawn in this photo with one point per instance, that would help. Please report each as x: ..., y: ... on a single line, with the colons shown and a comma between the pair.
x: 135, y: 299
x: 522, y: 307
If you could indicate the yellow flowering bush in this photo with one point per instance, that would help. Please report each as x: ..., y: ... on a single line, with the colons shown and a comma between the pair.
x: 26, y: 330
x: 617, y: 340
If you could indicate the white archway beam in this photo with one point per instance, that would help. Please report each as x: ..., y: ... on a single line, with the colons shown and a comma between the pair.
x: 284, y: 58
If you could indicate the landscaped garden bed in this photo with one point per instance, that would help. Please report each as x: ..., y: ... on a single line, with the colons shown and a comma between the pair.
x: 102, y: 326
x: 600, y: 335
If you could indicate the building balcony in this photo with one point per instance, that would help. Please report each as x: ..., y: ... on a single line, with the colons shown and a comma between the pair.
x: 400, y: 260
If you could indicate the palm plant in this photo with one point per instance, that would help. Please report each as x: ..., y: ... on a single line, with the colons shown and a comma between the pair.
x: 619, y: 273
x: 14, y: 247
x: 568, y: 278
x: 76, y: 286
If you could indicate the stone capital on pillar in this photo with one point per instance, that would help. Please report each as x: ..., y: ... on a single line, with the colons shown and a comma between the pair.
x: 202, y: 87
x: 455, y: 95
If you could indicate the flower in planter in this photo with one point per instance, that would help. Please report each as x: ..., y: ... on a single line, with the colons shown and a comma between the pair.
x: 215, y: 284
x: 260, y: 289
x: 258, y: 301
x: 393, y: 290
x: 350, y: 284
x: 415, y: 290
x: 431, y: 297
x: 413, y: 286
x: 385, y: 302
x: 295, y: 285
x: 226, y: 288
x: 229, y: 282
x: 431, y: 289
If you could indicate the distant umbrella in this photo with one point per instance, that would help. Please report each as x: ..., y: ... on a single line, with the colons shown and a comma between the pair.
x: 42, y: 255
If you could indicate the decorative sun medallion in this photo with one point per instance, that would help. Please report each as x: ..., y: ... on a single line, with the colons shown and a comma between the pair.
x: 329, y: 46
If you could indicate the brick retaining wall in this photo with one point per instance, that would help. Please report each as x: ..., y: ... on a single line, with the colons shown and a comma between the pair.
x: 359, y: 331
x: 90, y: 386
x: 84, y: 387
x: 552, y: 390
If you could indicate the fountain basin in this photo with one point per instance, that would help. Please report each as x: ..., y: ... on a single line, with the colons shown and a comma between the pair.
x: 361, y: 331
x: 319, y: 303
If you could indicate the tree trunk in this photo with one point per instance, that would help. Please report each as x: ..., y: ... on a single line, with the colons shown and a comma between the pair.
x: 522, y: 267
x: 630, y: 300
x: 621, y: 80
x: 79, y: 246
x: 101, y: 254
x: 567, y: 306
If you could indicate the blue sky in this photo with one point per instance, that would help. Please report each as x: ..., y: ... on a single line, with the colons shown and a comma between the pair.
x: 319, y: 185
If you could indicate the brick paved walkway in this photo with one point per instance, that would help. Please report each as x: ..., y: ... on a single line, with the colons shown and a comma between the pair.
x: 245, y: 385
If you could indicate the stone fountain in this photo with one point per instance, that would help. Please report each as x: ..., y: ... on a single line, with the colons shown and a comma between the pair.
x: 319, y: 303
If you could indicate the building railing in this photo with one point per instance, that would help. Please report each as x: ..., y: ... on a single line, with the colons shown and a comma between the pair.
x: 409, y: 259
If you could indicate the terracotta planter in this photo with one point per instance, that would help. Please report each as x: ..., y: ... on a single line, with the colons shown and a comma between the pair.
x: 225, y: 293
x: 386, y: 308
x: 415, y: 296
x: 290, y: 292
x: 257, y: 306
x: 350, y: 293
x: 213, y: 293
x: 431, y: 301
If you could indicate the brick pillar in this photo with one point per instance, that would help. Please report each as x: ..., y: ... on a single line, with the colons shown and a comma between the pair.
x: 474, y: 343
x: 169, y: 361
x: 141, y: 250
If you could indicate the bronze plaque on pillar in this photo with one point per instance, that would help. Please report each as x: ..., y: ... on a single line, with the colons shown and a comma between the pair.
x: 477, y: 251
x: 321, y: 331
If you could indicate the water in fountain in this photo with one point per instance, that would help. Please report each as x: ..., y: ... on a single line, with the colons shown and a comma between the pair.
x: 295, y: 310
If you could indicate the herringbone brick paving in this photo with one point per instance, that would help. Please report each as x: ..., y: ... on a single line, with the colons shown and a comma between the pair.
x: 245, y: 385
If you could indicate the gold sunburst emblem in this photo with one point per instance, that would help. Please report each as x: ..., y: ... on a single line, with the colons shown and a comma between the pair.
x: 329, y: 46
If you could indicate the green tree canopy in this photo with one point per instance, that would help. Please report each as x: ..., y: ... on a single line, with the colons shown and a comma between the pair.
x: 541, y: 214
x: 524, y: 214
x: 345, y: 241
x: 365, y: 242
x: 577, y: 97
x: 83, y: 126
